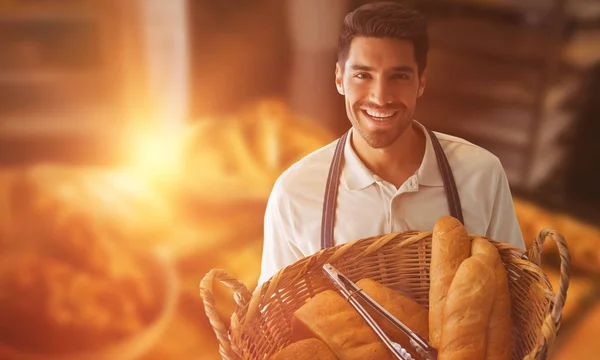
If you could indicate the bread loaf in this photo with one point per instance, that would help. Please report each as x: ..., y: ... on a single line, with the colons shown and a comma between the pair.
x: 450, y: 245
x: 499, y: 345
x: 402, y: 307
x: 467, y: 311
x: 308, y: 349
x: 330, y: 318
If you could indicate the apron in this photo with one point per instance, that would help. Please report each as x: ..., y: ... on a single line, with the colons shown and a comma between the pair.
x: 333, y: 182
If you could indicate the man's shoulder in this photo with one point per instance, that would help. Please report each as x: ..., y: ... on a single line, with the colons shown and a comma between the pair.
x: 308, y: 173
x: 468, y: 156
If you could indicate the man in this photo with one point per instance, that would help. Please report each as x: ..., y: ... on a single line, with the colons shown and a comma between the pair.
x: 388, y: 173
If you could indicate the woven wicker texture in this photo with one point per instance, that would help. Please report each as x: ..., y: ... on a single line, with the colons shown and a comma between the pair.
x: 261, y: 324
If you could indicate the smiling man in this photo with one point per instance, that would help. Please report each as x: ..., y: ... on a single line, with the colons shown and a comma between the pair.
x: 388, y: 173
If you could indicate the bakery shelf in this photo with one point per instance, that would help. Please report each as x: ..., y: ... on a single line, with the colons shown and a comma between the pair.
x: 502, y: 133
x: 586, y: 12
x: 73, y: 150
x: 458, y: 70
x: 89, y: 120
x: 553, y: 128
x: 37, y: 77
x: 547, y: 161
x: 492, y: 96
x: 513, y: 6
x: 496, y: 79
x: 53, y: 11
x: 582, y: 51
x: 46, y: 96
x: 581, y: 11
x: 503, y: 126
x: 520, y: 45
x: 500, y: 93
x: 64, y: 15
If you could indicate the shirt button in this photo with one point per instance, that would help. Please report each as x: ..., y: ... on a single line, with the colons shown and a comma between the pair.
x: 413, y: 184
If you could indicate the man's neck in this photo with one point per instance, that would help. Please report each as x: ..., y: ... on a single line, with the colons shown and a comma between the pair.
x: 396, y: 162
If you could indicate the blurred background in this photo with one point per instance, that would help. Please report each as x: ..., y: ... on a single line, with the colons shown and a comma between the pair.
x: 139, y: 141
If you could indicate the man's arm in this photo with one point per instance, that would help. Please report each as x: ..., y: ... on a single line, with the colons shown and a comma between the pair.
x: 278, y: 250
x: 503, y: 225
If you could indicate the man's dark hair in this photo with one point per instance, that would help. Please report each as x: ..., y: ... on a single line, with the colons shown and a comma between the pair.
x: 385, y: 20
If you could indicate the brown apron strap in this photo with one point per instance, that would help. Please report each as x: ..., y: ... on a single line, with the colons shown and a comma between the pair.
x: 331, y: 190
x: 333, y: 182
x: 448, y: 178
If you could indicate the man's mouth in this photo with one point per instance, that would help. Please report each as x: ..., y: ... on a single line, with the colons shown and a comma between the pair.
x: 379, y: 115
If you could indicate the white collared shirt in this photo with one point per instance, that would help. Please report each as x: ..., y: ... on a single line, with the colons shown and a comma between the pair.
x: 368, y: 205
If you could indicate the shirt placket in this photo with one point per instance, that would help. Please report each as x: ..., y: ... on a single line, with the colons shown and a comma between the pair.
x: 387, y: 192
x: 411, y: 185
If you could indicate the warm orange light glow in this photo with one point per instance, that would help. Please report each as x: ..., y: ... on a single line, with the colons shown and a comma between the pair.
x: 155, y: 153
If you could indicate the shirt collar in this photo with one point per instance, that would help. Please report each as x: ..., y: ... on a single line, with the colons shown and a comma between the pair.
x: 355, y: 175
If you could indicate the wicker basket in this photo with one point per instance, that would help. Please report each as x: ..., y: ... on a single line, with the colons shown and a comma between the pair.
x: 261, y: 325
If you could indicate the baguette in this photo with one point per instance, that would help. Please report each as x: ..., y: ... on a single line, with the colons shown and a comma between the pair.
x: 450, y: 245
x: 330, y: 318
x: 308, y: 349
x: 499, y: 346
x: 401, y: 306
x: 467, y: 311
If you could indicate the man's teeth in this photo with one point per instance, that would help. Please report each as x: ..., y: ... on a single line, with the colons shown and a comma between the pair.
x: 380, y: 115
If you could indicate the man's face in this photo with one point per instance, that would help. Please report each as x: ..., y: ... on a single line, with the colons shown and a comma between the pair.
x: 381, y: 84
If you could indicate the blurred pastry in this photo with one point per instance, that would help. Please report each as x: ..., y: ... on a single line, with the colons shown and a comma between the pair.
x: 51, y: 305
x: 75, y: 273
x: 582, y: 239
x: 239, y: 157
x: 532, y: 219
x: 106, y: 203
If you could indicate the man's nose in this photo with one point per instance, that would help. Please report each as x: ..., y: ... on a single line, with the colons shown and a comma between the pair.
x: 380, y: 93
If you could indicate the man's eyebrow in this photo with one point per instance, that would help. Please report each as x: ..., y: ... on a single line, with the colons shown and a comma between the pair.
x: 361, y: 68
x: 405, y: 68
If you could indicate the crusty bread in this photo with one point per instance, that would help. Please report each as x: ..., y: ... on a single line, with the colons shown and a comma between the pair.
x: 308, y: 349
x: 499, y: 346
x: 331, y: 318
x: 402, y: 307
x: 467, y: 311
x: 450, y: 245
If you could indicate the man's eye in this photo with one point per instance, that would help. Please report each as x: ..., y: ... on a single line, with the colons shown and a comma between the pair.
x: 362, y: 76
x: 401, y: 76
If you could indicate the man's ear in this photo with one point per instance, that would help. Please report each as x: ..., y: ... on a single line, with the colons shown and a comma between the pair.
x: 422, y: 83
x: 339, y: 79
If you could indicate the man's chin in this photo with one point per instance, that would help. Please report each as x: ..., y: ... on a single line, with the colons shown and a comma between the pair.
x: 381, y: 138
x: 378, y: 139
x: 380, y: 144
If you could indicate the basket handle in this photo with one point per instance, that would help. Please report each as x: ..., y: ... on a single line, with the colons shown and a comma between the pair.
x: 535, y: 255
x: 241, y: 295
